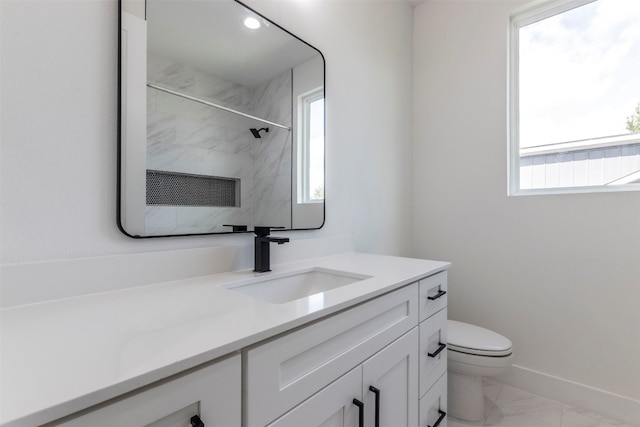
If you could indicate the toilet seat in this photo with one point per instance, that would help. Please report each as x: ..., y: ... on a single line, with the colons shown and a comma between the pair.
x: 475, y: 340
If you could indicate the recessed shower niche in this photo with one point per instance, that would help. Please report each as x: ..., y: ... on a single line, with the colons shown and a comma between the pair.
x: 221, y: 125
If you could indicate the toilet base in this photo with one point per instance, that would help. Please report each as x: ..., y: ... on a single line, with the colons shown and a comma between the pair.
x: 465, y: 397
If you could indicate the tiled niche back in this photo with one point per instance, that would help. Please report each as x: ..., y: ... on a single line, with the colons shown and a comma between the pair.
x: 179, y: 189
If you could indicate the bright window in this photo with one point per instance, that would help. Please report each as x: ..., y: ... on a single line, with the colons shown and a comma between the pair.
x: 311, y: 149
x: 575, y: 97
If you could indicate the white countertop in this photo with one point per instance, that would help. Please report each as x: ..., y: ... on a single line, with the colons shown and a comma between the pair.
x: 62, y: 356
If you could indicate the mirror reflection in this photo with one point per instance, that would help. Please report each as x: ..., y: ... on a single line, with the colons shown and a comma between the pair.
x: 222, y: 121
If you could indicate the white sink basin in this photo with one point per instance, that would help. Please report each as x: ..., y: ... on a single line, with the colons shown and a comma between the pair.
x: 280, y: 288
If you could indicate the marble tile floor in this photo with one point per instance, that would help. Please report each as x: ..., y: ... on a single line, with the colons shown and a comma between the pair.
x: 507, y: 406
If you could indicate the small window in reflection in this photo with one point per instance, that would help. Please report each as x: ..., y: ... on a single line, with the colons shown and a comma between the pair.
x: 311, y: 165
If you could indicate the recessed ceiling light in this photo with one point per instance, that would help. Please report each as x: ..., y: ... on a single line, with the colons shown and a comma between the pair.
x: 252, y: 23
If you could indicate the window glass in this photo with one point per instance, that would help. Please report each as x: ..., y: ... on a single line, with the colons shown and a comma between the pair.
x: 311, y: 161
x: 316, y: 150
x: 576, y: 96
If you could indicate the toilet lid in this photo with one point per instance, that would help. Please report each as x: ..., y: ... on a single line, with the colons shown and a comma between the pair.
x: 473, y: 339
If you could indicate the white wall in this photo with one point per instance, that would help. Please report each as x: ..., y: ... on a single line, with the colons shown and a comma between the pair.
x: 559, y: 275
x: 58, y: 126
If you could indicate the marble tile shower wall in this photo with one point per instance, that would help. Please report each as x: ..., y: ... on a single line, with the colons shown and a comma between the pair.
x: 271, y: 192
x: 189, y: 137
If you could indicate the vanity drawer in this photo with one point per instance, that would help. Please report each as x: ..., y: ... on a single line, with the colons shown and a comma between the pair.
x: 433, y: 294
x: 212, y: 393
x: 433, y: 351
x: 281, y: 373
x: 433, y: 406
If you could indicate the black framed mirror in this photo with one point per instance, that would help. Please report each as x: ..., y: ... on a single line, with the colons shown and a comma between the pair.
x: 221, y: 121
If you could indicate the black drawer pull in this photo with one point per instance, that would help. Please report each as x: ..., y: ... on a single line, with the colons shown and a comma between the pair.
x: 360, y: 406
x: 377, y: 412
x: 436, y: 296
x: 437, y: 352
x: 440, y: 418
x: 196, y: 421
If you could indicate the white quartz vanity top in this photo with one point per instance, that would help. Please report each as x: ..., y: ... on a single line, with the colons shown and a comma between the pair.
x: 62, y: 356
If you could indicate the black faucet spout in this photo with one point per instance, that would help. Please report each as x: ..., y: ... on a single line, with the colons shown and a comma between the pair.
x: 279, y: 240
x: 262, y: 250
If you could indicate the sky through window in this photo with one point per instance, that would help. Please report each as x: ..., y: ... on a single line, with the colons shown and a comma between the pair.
x: 579, y: 73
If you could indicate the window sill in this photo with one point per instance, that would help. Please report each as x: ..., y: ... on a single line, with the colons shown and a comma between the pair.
x: 575, y: 190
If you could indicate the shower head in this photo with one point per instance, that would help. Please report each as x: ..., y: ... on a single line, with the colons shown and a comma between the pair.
x: 256, y: 132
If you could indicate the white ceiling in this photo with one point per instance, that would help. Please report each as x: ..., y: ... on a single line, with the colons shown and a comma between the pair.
x: 210, y: 36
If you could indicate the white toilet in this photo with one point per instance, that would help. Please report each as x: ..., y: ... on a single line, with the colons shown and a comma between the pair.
x: 472, y: 353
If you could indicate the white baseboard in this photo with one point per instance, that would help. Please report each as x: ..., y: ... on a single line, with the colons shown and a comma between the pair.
x: 580, y: 395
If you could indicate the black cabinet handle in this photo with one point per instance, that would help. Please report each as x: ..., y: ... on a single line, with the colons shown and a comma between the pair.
x: 196, y: 421
x: 440, y: 418
x: 436, y: 296
x: 360, y: 406
x: 437, y: 352
x: 377, y: 412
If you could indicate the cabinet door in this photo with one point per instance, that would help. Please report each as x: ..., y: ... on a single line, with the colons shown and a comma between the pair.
x: 331, y: 407
x: 212, y: 393
x: 393, y: 372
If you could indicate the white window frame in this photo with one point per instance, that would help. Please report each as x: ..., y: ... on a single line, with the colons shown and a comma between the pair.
x: 304, y: 103
x: 527, y: 15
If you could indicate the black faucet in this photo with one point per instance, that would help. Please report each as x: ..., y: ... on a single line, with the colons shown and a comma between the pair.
x: 262, y: 255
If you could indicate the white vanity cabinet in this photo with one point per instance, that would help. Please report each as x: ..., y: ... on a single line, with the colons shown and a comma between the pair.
x: 302, y: 374
x: 381, y: 363
x: 162, y: 354
x: 286, y: 371
x: 433, y: 353
x: 211, y: 393
x: 384, y: 385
